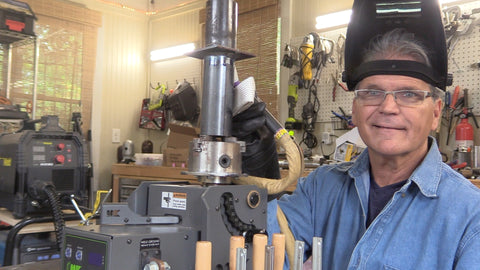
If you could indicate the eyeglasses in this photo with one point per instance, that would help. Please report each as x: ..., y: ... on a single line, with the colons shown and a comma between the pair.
x: 372, y: 97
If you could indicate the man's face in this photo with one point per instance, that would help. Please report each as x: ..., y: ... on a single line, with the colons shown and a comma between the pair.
x: 389, y: 129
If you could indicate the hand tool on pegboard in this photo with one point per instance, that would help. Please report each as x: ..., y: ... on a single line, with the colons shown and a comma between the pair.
x: 337, y: 75
x: 452, y: 107
x: 292, y: 122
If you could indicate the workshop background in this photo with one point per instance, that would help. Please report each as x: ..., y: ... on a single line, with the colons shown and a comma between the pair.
x: 113, y: 73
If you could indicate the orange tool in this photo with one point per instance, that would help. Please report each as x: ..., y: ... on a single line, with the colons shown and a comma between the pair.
x: 456, y: 93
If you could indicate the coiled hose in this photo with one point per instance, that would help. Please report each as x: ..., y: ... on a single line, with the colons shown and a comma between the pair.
x: 58, y: 220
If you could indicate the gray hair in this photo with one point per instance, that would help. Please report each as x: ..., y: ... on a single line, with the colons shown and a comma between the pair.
x: 394, y: 43
x: 398, y: 43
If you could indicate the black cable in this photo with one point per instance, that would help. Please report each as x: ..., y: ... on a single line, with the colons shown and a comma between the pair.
x: 58, y: 221
x: 309, y: 115
x: 323, y: 153
x: 309, y: 139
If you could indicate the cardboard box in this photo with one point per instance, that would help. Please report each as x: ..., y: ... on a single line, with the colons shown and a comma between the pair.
x: 178, y: 143
x: 181, y: 136
x: 175, y: 157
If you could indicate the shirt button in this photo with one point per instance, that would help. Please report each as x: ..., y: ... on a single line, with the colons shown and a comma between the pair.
x: 403, y: 195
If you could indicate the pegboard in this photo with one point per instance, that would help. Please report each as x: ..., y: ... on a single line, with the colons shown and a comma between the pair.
x: 175, y: 71
x: 462, y: 64
x: 325, y: 83
x: 465, y: 56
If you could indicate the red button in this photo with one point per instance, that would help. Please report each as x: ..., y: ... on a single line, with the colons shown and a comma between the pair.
x: 60, y: 146
x: 59, y: 159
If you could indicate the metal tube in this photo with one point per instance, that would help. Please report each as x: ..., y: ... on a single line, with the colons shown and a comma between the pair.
x: 317, y: 253
x: 269, y: 257
x: 298, y: 257
x: 9, y: 70
x: 241, y: 261
x: 221, y: 23
x: 35, y: 76
x: 217, y: 97
x: 72, y: 199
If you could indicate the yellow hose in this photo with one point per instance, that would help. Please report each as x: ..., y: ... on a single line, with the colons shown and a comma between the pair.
x: 295, y: 167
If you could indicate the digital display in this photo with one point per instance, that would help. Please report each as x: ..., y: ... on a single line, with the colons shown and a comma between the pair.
x: 95, y: 259
x: 39, y: 157
x: 38, y: 148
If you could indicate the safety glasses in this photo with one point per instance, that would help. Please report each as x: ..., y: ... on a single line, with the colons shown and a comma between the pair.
x: 373, y: 97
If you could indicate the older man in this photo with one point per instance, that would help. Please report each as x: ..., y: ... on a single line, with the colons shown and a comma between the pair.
x: 398, y: 206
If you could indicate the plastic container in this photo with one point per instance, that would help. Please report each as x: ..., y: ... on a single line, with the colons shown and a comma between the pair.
x: 148, y: 159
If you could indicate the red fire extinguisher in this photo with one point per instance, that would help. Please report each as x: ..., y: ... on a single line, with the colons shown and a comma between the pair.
x: 464, y: 134
x: 464, y: 130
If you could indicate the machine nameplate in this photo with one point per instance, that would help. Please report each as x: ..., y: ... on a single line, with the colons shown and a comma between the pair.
x: 150, y: 243
x: 174, y: 200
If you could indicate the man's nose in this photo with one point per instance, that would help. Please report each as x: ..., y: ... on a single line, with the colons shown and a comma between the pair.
x: 389, y: 102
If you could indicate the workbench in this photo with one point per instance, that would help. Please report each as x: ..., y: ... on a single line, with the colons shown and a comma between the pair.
x: 128, y: 176
x: 476, y: 182
x: 133, y: 172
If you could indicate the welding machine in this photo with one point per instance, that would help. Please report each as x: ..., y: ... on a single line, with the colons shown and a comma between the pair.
x: 30, y: 159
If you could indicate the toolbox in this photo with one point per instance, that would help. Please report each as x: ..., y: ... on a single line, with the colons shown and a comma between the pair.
x: 16, y: 21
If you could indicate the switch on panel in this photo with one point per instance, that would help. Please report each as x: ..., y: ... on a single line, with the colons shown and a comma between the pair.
x: 116, y: 135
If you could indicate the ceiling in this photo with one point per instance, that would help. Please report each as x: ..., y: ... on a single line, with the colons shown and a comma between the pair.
x: 163, y: 5
x: 150, y: 5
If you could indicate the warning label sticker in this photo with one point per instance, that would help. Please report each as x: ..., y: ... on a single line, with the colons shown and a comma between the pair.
x: 6, y: 162
x: 174, y: 200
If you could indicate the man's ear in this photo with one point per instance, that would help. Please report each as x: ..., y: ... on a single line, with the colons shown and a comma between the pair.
x: 437, y: 113
x: 354, y: 118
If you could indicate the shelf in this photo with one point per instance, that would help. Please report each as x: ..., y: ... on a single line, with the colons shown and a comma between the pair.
x: 15, y: 38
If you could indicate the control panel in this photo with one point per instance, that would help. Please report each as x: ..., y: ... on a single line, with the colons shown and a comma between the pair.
x: 53, y: 153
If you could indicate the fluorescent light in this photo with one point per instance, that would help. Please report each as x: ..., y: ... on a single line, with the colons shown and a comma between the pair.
x: 171, y: 52
x: 442, y: 2
x: 333, y: 19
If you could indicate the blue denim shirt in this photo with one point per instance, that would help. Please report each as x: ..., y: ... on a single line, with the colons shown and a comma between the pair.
x: 432, y: 222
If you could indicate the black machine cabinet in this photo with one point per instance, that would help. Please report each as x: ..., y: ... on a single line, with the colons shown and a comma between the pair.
x: 50, y: 155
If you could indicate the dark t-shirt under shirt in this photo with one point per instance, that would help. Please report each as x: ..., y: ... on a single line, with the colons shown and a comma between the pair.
x: 378, y: 197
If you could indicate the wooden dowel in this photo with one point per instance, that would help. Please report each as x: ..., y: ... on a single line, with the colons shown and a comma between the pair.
x: 278, y: 241
x: 235, y: 242
x: 203, y: 256
x: 259, y: 243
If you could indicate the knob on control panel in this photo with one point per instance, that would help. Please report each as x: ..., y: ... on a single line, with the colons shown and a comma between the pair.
x: 59, y: 159
x: 60, y: 146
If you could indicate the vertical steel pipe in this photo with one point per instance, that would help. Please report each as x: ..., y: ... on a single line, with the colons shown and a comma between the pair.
x: 221, y: 24
x: 217, y: 97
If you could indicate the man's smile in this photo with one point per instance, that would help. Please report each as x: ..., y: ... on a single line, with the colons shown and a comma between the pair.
x: 387, y: 127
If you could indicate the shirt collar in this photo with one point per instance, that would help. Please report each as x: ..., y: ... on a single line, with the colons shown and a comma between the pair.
x: 426, y: 176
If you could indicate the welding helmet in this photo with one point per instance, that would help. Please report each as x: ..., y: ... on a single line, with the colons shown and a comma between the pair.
x: 371, y: 18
